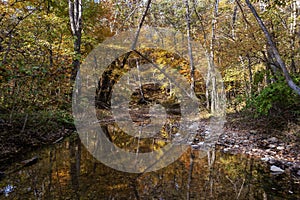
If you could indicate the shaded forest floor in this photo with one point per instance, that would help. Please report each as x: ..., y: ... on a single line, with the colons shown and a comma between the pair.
x: 275, y: 139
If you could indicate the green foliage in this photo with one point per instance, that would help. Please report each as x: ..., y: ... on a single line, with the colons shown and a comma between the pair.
x: 259, y: 77
x: 42, y: 122
x: 36, y: 51
x: 277, y: 96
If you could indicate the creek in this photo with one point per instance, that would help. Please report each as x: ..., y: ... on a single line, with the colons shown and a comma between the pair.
x: 68, y: 171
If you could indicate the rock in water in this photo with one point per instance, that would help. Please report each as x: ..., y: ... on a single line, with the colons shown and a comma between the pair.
x: 276, y: 169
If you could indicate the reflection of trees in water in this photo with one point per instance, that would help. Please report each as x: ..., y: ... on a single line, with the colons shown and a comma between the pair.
x: 56, y: 175
x: 130, y: 143
x: 142, y: 99
x: 75, y: 158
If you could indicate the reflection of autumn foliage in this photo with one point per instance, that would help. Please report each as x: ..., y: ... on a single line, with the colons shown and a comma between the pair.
x: 142, y: 145
x: 229, y: 177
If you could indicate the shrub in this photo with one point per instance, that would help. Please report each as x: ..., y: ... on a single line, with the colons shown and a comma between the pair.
x: 277, y: 97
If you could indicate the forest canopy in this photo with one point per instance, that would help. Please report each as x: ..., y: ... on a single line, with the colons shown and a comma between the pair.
x: 43, y: 42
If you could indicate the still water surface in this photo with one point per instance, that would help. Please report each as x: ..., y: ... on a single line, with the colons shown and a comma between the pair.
x: 68, y: 171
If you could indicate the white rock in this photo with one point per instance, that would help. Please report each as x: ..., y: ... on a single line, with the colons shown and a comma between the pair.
x: 276, y: 169
x: 177, y: 134
x: 272, y: 146
x: 246, y: 141
x: 194, y: 126
x: 289, y: 147
x: 272, y: 140
x: 200, y: 143
x: 254, y: 132
x: 265, y: 159
x: 280, y: 148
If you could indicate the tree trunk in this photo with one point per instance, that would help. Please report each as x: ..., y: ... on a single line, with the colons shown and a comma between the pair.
x: 211, y: 74
x: 250, y: 74
x: 234, y: 19
x: 75, y: 15
x: 49, y: 39
x: 273, y: 47
x: 293, y: 28
x: 207, y: 53
x: 190, y: 48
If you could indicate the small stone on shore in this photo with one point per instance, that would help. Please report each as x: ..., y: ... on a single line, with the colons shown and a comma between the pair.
x: 272, y: 140
x: 276, y: 169
x: 265, y: 159
x: 272, y: 146
x: 280, y: 148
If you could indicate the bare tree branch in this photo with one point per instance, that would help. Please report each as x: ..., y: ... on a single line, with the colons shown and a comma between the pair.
x: 140, y: 25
